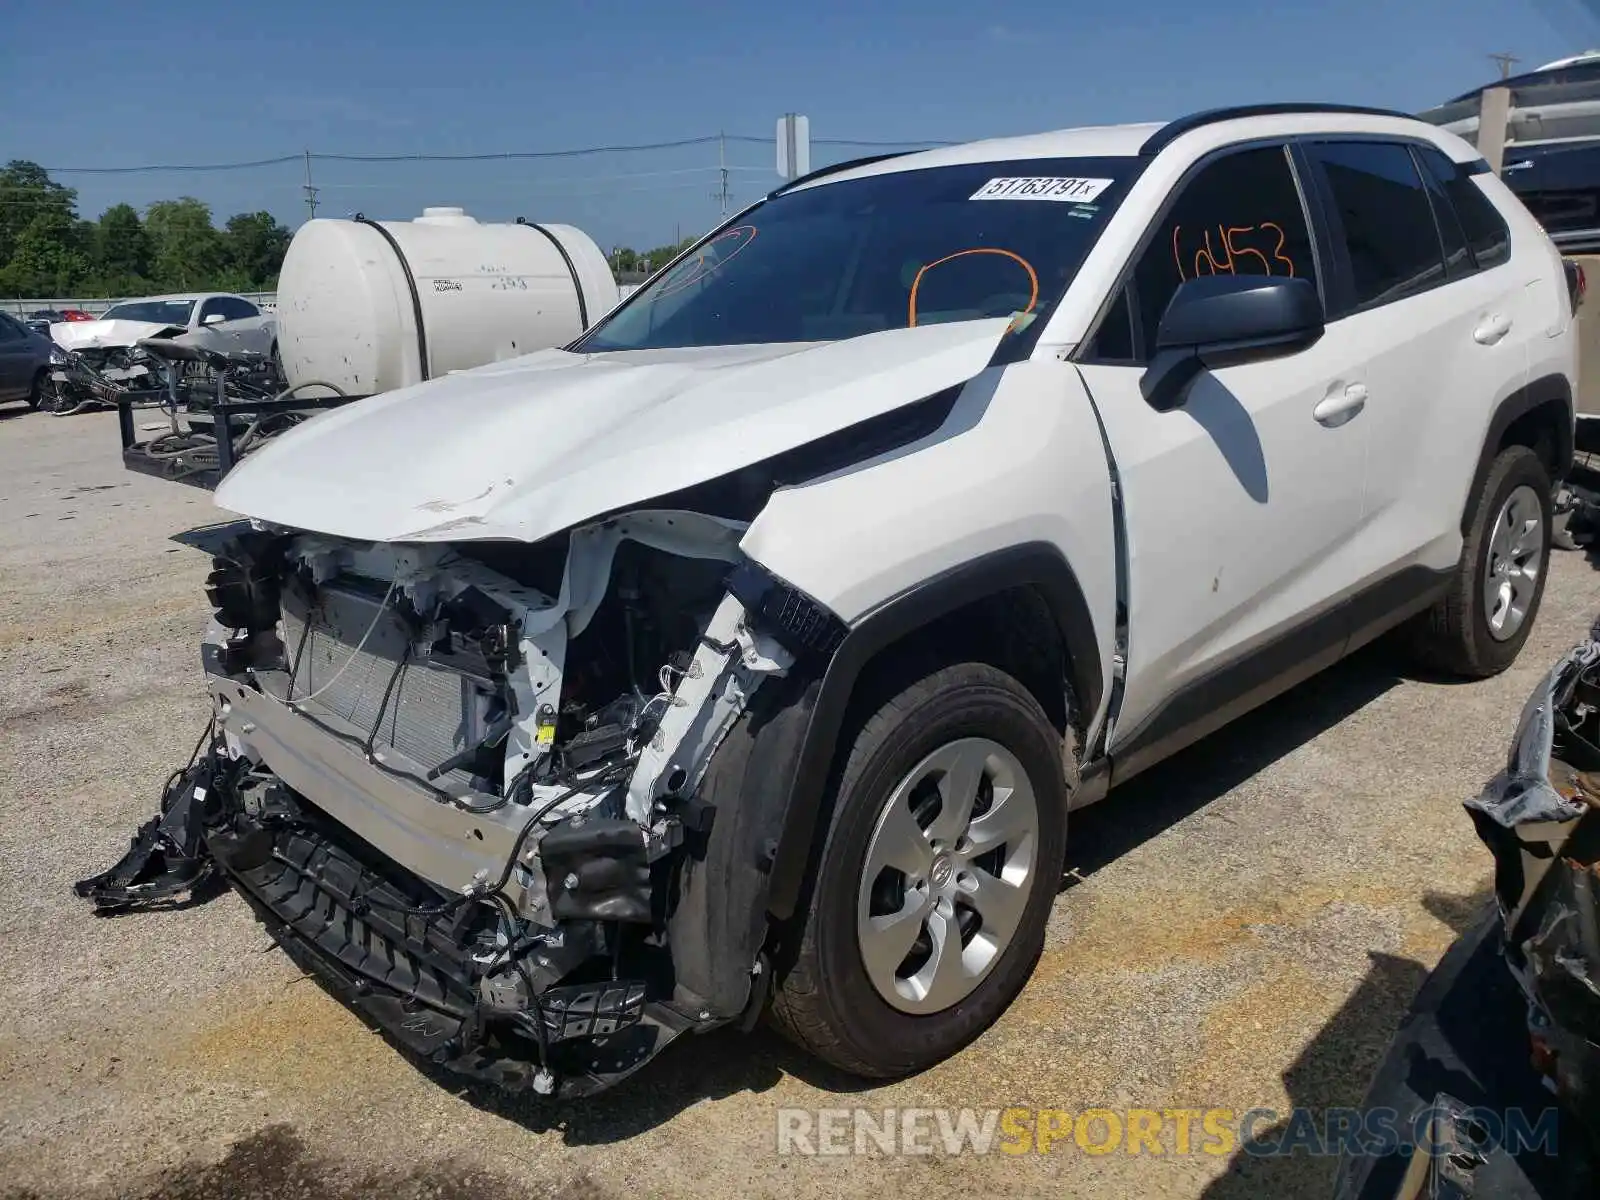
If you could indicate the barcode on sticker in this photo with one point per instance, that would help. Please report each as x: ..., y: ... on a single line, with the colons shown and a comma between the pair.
x: 1041, y: 187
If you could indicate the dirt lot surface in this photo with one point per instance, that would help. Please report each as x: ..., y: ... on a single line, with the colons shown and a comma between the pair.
x: 1248, y: 924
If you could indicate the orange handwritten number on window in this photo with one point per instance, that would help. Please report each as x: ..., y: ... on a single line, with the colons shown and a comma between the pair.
x: 1208, y: 260
x: 1277, y: 251
x: 1237, y: 251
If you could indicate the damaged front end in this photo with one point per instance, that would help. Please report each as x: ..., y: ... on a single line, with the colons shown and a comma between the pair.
x: 1541, y: 818
x: 465, y: 784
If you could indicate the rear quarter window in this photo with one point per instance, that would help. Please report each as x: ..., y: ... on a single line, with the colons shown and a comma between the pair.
x: 1486, y: 232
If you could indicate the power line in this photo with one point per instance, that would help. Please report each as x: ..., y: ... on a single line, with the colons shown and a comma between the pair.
x: 579, y: 152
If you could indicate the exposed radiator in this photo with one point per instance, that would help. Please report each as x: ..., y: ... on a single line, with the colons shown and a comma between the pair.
x: 432, y: 712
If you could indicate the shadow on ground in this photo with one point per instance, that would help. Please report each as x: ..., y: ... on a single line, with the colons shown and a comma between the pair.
x: 274, y: 1163
x: 1337, y: 1066
x: 1149, y: 804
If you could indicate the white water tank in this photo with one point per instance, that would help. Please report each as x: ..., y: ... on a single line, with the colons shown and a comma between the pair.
x: 376, y: 305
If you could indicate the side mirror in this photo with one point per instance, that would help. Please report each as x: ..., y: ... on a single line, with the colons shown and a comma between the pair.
x: 213, y: 319
x: 1220, y: 320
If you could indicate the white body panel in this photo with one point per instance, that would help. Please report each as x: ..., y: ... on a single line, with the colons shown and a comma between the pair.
x: 523, y: 450
x: 487, y: 292
x: 1019, y: 460
x: 1439, y: 365
x: 1242, y: 511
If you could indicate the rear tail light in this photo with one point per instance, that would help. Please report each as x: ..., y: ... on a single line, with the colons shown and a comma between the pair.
x: 1577, y: 283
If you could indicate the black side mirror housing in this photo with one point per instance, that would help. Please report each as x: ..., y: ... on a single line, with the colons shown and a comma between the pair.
x: 1220, y: 320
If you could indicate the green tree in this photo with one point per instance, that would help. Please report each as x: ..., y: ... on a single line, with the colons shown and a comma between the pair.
x: 26, y: 193
x: 662, y: 255
x: 45, y: 258
x: 253, y: 248
x: 122, y: 249
x: 186, y: 250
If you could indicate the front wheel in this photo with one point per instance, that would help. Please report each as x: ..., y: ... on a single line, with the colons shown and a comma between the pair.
x: 36, y: 393
x: 1478, y: 628
x: 936, y: 877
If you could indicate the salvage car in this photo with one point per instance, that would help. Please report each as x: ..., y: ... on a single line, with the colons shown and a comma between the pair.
x: 96, y: 361
x: 122, y: 325
x: 747, y: 655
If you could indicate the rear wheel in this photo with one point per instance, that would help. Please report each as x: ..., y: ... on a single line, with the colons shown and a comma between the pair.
x: 1478, y: 628
x: 936, y: 877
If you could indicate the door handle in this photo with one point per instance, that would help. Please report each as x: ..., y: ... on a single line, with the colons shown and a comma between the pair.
x: 1491, y: 329
x: 1334, y: 409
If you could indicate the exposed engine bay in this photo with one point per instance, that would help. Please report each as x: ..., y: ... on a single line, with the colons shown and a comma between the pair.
x: 457, y: 781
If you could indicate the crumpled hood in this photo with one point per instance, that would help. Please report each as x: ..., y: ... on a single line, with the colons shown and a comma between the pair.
x: 524, y: 449
x: 87, y: 335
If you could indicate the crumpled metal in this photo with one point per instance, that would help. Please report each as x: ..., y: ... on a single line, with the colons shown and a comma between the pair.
x: 1522, y: 793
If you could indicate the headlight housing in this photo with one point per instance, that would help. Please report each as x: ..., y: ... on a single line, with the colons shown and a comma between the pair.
x: 58, y: 356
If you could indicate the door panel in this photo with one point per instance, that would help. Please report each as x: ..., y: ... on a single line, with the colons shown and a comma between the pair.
x: 14, y: 360
x: 1242, y: 507
x: 1242, y: 512
x: 1445, y: 341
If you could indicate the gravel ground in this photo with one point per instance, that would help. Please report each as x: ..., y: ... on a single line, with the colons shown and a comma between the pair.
x: 1247, y: 924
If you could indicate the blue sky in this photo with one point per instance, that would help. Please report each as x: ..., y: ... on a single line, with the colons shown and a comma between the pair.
x: 90, y: 83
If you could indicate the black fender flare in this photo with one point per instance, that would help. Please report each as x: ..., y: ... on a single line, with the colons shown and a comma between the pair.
x: 766, y: 785
x: 1035, y: 564
x: 1547, y: 389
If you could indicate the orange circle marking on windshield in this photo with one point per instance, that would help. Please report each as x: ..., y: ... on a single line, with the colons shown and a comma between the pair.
x: 1033, y: 277
x: 699, y: 269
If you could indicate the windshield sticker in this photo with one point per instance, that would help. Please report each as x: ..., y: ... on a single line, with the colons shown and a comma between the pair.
x: 1041, y: 187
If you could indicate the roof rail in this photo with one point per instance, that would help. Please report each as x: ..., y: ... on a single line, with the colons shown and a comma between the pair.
x: 1173, y: 130
x: 847, y: 165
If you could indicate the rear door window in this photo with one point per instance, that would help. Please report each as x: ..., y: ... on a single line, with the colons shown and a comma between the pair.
x: 1382, y: 219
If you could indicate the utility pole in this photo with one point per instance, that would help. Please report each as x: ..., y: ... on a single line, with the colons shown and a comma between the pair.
x: 721, y: 194
x: 311, y: 192
x: 1505, y: 61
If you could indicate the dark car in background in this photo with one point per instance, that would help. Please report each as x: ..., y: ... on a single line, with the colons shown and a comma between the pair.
x: 1552, y: 151
x: 24, y: 361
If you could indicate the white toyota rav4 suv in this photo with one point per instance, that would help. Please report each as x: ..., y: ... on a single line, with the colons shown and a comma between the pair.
x: 747, y: 655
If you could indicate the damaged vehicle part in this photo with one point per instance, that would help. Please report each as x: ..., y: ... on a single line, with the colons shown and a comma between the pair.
x: 1541, y: 819
x: 525, y: 745
x: 1494, y: 1067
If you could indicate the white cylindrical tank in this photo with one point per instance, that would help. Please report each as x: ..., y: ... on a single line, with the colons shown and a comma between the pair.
x: 376, y: 305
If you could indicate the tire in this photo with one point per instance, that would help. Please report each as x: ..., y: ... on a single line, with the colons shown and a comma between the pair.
x: 828, y: 1003
x: 41, y: 380
x: 1457, y: 635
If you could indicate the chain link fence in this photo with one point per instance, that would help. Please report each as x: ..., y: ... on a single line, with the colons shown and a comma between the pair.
x: 21, y: 307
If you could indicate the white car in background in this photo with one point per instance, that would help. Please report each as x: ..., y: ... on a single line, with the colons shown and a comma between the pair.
x: 232, y: 324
